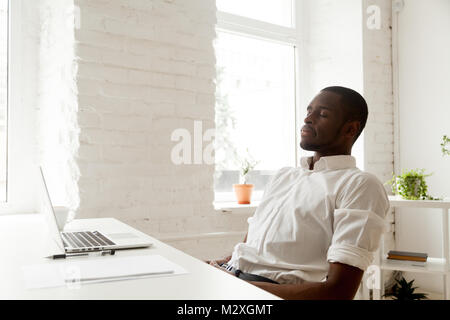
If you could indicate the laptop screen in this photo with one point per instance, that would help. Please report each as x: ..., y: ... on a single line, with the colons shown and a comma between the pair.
x: 49, y: 213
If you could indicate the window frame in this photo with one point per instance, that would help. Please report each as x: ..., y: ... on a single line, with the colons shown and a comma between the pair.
x: 232, y: 23
x: 21, y: 173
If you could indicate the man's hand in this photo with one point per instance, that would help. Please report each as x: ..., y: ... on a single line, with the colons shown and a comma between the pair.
x: 218, y: 262
x: 214, y: 264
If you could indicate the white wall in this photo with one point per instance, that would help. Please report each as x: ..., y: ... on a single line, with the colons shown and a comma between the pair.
x: 332, y: 53
x: 339, y: 49
x: 332, y: 34
x: 424, y: 117
x: 145, y: 69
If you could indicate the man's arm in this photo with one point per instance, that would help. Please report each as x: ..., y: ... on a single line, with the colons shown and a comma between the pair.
x: 342, y: 283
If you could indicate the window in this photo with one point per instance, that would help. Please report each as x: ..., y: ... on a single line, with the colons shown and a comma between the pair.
x: 256, y: 91
x: 278, y: 12
x: 17, y: 108
x: 3, y: 97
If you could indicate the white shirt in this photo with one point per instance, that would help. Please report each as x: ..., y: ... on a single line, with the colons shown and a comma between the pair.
x: 308, y: 218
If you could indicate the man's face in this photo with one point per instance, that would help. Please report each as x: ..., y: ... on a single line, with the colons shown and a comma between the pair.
x: 323, y: 123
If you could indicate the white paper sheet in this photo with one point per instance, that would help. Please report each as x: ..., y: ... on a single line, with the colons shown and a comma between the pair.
x: 77, y: 271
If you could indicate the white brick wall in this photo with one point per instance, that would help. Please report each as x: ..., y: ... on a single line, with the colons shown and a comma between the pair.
x: 146, y: 68
x: 377, y: 64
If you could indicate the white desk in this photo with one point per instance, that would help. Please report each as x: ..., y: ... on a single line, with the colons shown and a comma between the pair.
x: 202, y: 281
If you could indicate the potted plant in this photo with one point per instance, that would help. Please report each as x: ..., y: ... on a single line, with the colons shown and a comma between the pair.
x: 243, y: 190
x: 411, y: 185
x: 403, y: 290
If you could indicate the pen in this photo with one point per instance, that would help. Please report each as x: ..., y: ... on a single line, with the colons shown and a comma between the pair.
x: 69, y: 255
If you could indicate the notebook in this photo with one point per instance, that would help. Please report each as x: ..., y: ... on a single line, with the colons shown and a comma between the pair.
x: 78, y: 271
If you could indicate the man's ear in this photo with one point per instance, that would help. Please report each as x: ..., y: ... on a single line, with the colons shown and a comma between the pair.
x: 352, y: 129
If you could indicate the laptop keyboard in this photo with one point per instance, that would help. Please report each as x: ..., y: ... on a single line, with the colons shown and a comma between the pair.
x: 85, y: 239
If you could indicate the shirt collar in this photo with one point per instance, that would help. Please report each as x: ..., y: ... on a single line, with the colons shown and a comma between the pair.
x: 329, y: 163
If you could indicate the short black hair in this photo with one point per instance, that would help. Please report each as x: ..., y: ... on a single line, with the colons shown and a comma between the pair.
x: 355, y: 105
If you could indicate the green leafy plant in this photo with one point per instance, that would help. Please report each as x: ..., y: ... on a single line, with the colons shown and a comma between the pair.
x: 404, y: 290
x: 411, y: 185
x: 246, y: 164
x: 445, y: 142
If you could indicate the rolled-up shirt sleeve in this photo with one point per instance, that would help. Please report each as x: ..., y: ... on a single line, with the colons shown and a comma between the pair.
x: 358, y: 222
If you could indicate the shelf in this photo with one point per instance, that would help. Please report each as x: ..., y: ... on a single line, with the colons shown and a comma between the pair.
x: 235, y: 208
x: 397, y: 201
x: 433, y: 266
x: 234, y: 205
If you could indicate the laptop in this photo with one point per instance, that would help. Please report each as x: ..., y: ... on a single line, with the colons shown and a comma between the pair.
x: 84, y: 241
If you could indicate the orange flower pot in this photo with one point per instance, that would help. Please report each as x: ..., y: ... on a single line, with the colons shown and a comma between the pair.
x: 243, y: 192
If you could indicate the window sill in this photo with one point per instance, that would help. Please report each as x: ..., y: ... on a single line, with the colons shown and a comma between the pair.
x: 235, y: 208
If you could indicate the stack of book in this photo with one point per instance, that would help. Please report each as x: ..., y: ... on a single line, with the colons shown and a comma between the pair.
x: 412, y: 258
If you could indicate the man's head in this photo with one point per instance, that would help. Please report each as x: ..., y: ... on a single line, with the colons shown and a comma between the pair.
x: 335, y: 119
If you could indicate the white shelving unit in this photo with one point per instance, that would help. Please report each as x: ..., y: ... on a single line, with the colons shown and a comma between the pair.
x: 434, y: 265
